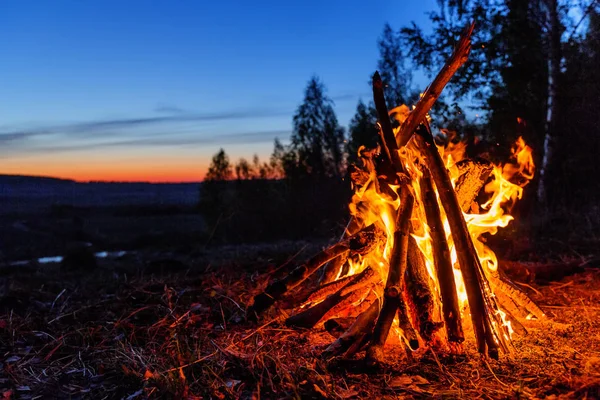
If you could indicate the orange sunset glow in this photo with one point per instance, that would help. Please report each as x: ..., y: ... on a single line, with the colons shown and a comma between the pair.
x: 164, y: 170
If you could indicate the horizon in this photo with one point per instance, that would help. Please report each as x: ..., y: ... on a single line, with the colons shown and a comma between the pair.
x: 126, y: 92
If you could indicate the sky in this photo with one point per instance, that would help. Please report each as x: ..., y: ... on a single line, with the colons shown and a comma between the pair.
x: 142, y: 90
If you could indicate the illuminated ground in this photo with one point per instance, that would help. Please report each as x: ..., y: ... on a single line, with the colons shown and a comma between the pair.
x: 132, y: 329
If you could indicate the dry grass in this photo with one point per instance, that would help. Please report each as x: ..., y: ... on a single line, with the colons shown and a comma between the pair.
x: 120, y: 332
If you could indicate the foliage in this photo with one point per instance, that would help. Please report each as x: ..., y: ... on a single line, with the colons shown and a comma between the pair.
x: 394, y: 74
x: 317, y: 139
x: 362, y: 130
x: 578, y: 142
x: 220, y: 168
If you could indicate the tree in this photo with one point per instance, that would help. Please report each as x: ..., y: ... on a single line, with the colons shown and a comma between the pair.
x: 392, y: 69
x: 362, y: 130
x: 317, y: 139
x: 243, y: 170
x: 219, y: 169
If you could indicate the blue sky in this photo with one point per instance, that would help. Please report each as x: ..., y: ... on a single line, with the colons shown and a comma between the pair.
x: 134, y: 82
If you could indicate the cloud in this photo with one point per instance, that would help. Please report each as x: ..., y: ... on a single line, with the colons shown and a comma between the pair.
x: 348, y: 96
x: 163, y: 139
x: 167, y: 109
x: 112, y: 127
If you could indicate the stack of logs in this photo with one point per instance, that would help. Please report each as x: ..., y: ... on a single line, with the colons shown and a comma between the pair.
x: 422, y: 311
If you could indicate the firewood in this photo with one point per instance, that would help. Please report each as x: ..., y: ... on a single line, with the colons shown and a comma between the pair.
x: 421, y: 295
x: 358, y: 176
x: 473, y: 174
x: 472, y: 272
x: 442, y: 261
x: 343, y: 297
x: 361, y: 328
x: 361, y: 243
x: 507, y: 288
x: 345, y: 307
x: 433, y: 91
x: 332, y: 269
x: 329, y: 288
x: 395, y: 279
x: 337, y: 326
x: 408, y: 332
x: 388, y: 138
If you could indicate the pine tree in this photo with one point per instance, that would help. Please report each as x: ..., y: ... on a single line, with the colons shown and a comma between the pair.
x: 317, y: 139
x: 362, y: 130
x: 220, y: 168
x: 391, y: 67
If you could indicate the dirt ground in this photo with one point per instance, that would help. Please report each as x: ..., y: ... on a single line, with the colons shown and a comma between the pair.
x: 156, y: 325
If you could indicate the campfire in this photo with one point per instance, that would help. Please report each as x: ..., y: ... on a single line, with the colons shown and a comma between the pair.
x: 412, y: 268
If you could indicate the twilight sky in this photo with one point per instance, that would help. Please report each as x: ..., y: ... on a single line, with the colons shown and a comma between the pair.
x: 149, y: 90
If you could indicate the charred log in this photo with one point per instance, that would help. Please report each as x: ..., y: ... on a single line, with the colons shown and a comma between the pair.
x: 442, y: 261
x: 356, y: 334
x: 473, y: 174
x: 334, y: 303
x: 361, y: 243
x: 470, y: 266
x: 434, y: 90
x: 420, y: 293
x: 395, y: 280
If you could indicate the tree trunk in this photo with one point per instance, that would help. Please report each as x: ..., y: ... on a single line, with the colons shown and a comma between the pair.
x: 554, y: 57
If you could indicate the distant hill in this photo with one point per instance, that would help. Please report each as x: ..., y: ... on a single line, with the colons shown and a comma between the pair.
x: 24, y: 194
x: 30, y: 179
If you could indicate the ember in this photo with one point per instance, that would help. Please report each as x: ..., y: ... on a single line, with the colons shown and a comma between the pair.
x: 412, y: 264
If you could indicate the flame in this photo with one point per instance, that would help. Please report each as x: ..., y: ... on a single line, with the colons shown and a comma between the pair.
x: 376, y: 201
x: 373, y: 204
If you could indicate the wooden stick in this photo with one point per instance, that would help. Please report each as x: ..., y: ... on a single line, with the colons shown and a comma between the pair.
x: 361, y: 328
x: 337, y: 326
x: 329, y: 307
x: 325, y: 290
x: 362, y: 242
x: 473, y: 174
x: 395, y: 280
x: 420, y: 292
x: 442, y: 261
x: 433, y: 91
x: 507, y: 288
x: 332, y: 269
x: 411, y: 339
x: 388, y: 138
x: 470, y: 266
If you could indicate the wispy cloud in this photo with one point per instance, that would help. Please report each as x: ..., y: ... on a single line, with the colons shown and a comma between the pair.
x: 169, y: 109
x: 124, y: 126
x: 165, y: 140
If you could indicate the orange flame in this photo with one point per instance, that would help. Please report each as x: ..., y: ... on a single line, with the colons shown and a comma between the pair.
x: 371, y: 205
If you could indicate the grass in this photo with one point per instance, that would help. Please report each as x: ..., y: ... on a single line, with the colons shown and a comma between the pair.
x: 133, y: 329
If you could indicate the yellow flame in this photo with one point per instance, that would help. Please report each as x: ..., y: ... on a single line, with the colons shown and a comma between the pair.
x: 505, y: 186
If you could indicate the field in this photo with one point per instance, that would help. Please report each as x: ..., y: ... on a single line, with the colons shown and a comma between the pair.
x: 157, y: 325
x: 43, y: 217
x: 167, y: 318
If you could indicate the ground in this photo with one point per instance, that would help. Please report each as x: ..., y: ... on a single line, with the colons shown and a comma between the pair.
x: 164, y: 325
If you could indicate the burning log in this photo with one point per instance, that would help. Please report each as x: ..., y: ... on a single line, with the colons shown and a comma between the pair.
x: 409, y: 239
x: 470, y: 266
x: 442, y: 261
x: 457, y: 59
x: 333, y: 303
x: 409, y: 334
x: 337, y: 326
x: 513, y: 293
x: 395, y: 280
x: 361, y: 242
x: 473, y: 174
x: 332, y: 269
x: 419, y: 292
x: 351, y: 340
